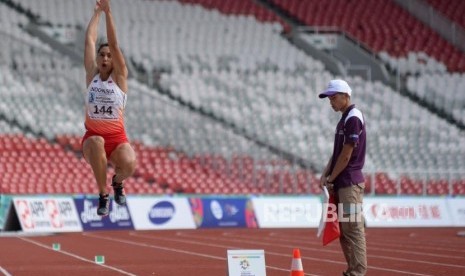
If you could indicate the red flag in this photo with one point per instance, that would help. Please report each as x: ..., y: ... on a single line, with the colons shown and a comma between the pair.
x: 331, y: 230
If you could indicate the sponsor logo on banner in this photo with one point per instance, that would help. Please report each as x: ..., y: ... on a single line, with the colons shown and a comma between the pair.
x: 162, y: 212
x: 215, y: 209
x: 223, y: 212
x: 118, y: 218
x: 47, y: 214
x: 396, y: 212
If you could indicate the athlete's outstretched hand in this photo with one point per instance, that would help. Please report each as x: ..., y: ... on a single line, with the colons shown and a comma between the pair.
x: 97, y: 7
x: 105, y: 5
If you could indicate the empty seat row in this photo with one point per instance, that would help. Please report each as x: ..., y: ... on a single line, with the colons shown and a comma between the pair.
x: 381, y: 25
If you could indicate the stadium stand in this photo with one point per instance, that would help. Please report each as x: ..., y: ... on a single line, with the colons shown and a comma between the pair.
x: 234, y: 108
x: 391, y: 29
x: 453, y: 9
x: 442, y: 90
x: 401, y: 41
x: 241, y: 7
x: 36, y: 166
x: 11, y: 26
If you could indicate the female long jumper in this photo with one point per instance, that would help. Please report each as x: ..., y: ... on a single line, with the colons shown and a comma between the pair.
x: 105, y: 139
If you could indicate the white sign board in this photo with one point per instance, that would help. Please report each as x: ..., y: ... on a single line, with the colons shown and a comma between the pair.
x: 246, y: 263
x: 322, y: 41
x: 39, y: 214
x: 457, y: 210
x: 160, y: 213
x: 287, y: 212
x: 406, y: 212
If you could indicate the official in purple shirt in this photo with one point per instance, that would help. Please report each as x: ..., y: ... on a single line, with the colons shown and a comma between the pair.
x: 343, y: 175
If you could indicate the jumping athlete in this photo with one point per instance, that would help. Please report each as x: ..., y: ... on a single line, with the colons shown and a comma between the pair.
x: 105, y: 139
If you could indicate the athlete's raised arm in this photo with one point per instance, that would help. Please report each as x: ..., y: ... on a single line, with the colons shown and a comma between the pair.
x: 120, y: 71
x: 90, y: 63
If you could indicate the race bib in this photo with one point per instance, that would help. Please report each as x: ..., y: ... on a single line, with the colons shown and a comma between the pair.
x: 103, y: 105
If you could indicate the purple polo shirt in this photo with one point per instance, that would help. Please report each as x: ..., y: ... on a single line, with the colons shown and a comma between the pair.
x: 350, y: 129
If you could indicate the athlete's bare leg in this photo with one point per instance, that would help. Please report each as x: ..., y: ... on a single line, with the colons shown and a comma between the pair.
x: 94, y: 153
x: 123, y: 159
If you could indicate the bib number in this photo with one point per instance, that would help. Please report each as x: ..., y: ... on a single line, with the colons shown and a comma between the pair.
x: 103, y: 112
x: 103, y: 109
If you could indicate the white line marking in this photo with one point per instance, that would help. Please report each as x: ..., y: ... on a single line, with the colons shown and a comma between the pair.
x: 176, y: 250
x: 390, y: 258
x: 421, y: 247
x: 403, y: 245
x: 371, y: 248
x: 154, y: 246
x: 272, y: 253
x: 212, y: 245
x: 419, y: 240
x: 76, y: 256
x: 310, y: 258
x: 4, y: 271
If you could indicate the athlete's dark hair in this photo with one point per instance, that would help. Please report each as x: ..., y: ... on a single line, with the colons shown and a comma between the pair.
x: 101, y: 46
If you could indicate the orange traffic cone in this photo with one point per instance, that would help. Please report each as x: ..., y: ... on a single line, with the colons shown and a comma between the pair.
x: 296, y: 267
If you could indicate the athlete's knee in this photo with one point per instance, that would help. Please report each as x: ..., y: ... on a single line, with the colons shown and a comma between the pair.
x: 94, y: 145
x: 94, y: 142
x: 128, y: 164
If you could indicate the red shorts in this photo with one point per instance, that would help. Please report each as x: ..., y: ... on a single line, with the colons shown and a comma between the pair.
x: 111, y: 140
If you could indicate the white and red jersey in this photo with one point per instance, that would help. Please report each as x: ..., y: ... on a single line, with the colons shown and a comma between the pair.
x: 105, y: 103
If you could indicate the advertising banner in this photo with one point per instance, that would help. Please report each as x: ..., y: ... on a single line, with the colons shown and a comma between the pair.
x: 406, y: 212
x: 288, y: 212
x: 223, y: 212
x: 47, y: 214
x: 119, y: 217
x: 457, y: 210
x: 160, y: 213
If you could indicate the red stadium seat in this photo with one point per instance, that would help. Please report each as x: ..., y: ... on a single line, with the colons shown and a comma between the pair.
x: 32, y: 166
x: 400, y: 31
x: 241, y: 7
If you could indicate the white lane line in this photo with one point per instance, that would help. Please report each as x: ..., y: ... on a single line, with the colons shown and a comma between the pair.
x: 428, y: 248
x: 76, y: 256
x: 272, y: 253
x: 176, y: 250
x: 155, y: 246
x: 382, y: 256
x: 135, y: 234
x: 410, y: 252
x: 310, y: 258
x: 419, y: 240
x: 402, y: 245
x: 4, y: 271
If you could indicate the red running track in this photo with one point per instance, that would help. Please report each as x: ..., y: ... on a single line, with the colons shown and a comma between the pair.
x: 407, y: 251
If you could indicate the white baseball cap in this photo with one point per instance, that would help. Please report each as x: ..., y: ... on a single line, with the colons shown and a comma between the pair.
x: 334, y: 87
